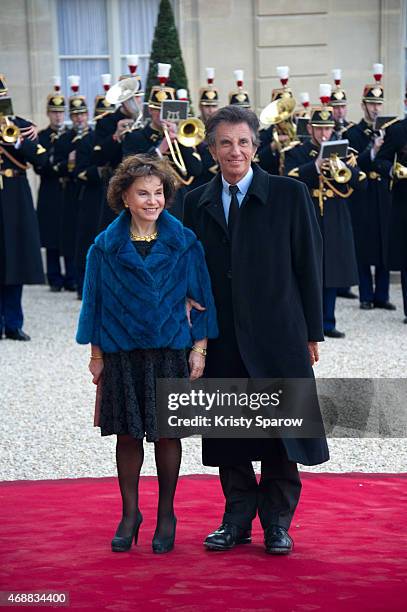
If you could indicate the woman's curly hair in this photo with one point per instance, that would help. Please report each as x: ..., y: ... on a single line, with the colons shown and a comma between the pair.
x: 134, y: 167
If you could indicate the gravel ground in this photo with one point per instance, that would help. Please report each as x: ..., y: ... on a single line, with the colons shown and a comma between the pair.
x: 47, y: 397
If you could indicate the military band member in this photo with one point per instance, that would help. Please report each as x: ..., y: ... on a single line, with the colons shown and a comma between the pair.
x: 208, y: 105
x: 159, y: 137
x: 107, y: 148
x: 239, y: 96
x: 391, y: 161
x: 304, y: 162
x: 64, y: 165
x: 370, y: 209
x: 281, y: 132
x: 50, y: 195
x: 339, y: 105
x: 90, y: 189
x: 20, y: 248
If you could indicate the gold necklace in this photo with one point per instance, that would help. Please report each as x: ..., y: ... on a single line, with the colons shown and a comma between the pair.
x: 147, y: 238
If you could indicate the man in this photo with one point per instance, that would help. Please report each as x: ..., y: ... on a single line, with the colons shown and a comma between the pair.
x: 50, y: 196
x: 263, y: 250
x: 304, y: 162
x: 152, y: 139
x: 339, y: 104
x: 20, y: 249
x: 370, y: 209
x: 208, y: 105
x: 90, y: 192
x: 391, y: 161
x: 107, y: 147
x: 280, y: 135
x: 64, y: 165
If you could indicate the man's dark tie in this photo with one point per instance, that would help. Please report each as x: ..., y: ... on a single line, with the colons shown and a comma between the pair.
x: 233, y: 208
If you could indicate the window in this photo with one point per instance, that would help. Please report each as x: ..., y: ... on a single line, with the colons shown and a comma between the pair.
x: 94, y: 37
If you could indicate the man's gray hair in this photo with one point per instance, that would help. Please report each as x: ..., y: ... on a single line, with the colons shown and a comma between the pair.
x: 232, y: 114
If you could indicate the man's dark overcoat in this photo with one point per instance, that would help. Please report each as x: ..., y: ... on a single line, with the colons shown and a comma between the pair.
x: 268, y: 294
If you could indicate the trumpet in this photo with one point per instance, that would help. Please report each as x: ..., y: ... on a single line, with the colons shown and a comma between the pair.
x: 190, y: 133
x: 399, y: 171
x: 9, y: 131
x: 339, y: 171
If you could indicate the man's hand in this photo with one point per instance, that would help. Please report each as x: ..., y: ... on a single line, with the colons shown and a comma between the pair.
x: 96, y: 369
x: 189, y: 305
x: 121, y: 126
x: 29, y: 133
x: 377, y: 144
x: 313, y: 352
x: 196, y: 365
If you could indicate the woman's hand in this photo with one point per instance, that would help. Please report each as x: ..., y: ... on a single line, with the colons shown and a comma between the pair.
x: 96, y: 369
x: 196, y: 365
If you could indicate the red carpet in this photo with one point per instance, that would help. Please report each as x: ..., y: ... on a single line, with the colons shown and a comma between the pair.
x: 350, y: 548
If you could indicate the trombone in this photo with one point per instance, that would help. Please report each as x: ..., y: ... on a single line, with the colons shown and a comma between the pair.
x: 190, y: 133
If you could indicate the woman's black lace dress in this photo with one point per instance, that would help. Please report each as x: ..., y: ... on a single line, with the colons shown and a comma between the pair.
x: 128, y: 403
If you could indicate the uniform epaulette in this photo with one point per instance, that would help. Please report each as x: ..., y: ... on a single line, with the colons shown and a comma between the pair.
x: 350, y: 124
x: 102, y: 115
x: 292, y: 145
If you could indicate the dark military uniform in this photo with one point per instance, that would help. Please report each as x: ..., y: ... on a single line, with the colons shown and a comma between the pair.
x: 69, y: 141
x: 147, y: 140
x: 20, y: 248
x: 267, y: 157
x: 209, y: 166
x: 90, y: 193
x: 395, y: 145
x: 107, y: 154
x: 370, y: 210
x: 49, y: 210
x: 331, y: 208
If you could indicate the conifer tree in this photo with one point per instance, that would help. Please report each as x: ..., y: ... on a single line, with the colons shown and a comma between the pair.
x: 166, y: 49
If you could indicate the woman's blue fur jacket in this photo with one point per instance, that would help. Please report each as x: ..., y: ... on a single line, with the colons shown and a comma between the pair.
x: 130, y: 302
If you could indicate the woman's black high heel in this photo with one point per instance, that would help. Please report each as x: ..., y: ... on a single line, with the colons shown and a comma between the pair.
x: 123, y: 543
x: 164, y: 545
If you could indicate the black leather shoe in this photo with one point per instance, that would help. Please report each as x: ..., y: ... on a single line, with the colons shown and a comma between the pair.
x: 385, y: 305
x: 123, y: 543
x: 366, y: 305
x: 55, y: 288
x: 277, y: 541
x: 70, y: 287
x: 349, y: 295
x: 17, y: 334
x: 405, y: 320
x: 334, y: 333
x: 163, y: 545
x: 227, y: 536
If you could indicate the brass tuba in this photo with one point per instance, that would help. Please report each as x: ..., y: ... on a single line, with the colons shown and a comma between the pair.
x: 281, y: 113
x: 122, y: 91
x: 9, y: 131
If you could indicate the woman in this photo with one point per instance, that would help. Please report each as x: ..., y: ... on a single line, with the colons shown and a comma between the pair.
x: 140, y: 272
